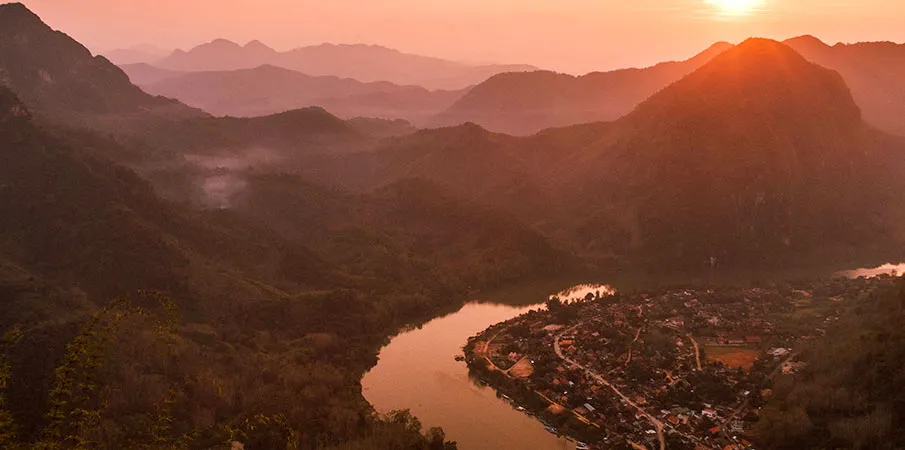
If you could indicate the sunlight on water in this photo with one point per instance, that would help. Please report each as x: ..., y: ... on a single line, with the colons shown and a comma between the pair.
x: 581, y: 292
x: 885, y: 269
x: 417, y: 371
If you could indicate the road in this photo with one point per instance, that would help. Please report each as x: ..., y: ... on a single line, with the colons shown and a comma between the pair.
x: 697, y: 351
x: 594, y: 375
x: 630, y: 345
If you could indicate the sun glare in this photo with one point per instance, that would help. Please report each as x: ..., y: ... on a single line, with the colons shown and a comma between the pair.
x: 736, y: 7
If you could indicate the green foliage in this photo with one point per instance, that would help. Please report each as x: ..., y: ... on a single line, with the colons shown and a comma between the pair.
x: 8, y: 426
x: 847, y: 397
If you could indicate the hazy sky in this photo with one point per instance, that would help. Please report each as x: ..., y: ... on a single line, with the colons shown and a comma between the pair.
x: 566, y: 35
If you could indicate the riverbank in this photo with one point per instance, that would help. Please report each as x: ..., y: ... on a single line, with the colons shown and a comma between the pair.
x: 417, y: 370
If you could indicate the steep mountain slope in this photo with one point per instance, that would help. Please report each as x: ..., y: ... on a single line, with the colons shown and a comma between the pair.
x: 58, y: 78
x: 365, y: 63
x: 269, y: 89
x: 875, y: 72
x: 758, y: 156
x: 238, y: 298
x: 524, y: 103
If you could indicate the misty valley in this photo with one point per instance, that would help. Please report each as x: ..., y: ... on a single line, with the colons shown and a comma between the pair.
x: 348, y: 247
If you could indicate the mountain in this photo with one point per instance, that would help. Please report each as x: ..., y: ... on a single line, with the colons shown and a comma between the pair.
x: 757, y: 153
x: 525, y: 103
x: 219, y: 54
x: 757, y: 157
x: 201, y: 285
x: 145, y: 53
x: 365, y: 63
x: 59, y: 78
x: 875, y: 72
x: 269, y: 89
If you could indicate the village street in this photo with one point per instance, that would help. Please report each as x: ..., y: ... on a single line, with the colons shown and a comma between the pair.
x: 657, y: 424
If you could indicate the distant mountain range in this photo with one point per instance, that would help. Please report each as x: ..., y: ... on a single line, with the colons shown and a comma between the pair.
x: 268, y: 89
x: 874, y: 71
x: 756, y: 156
x: 516, y: 100
x: 525, y: 103
x: 366, y: 63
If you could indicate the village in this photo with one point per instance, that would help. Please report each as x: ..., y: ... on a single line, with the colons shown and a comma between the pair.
x: 674, y: 368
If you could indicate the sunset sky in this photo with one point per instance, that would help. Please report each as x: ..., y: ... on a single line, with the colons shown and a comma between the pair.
x: 566, y: 35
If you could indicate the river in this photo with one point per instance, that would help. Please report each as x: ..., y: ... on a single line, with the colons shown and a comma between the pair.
x: 417, y: 371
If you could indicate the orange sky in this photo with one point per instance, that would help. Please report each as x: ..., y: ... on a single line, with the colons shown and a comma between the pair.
x: 566, y: 35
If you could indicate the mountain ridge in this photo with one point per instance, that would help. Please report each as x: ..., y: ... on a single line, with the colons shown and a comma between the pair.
x: 270, y: 89
x: 59, y: 78
x: 363, y: 62
x: 875, y: 72
x: 525, y: 103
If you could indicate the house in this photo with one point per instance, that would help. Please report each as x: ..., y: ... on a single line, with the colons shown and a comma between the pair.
x: 673, y: 420
x: 714, y: 430
x: 707, y: 412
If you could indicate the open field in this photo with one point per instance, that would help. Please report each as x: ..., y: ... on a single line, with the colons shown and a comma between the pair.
x: 732, y: 356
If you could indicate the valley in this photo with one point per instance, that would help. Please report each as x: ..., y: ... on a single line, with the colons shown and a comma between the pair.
x: 243, y: 247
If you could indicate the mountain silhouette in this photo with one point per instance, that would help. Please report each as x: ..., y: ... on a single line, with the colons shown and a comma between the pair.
x: 219, y: 54
x: 755, y: 157
x: 524, y: 103
x: 59, y: 78
x: 365, y: 63
x: 875, y: 72
x: 270, y: 89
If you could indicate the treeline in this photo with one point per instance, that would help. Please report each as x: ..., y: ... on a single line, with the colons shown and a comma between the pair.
x: 850, y: 395
x: 133, y: 377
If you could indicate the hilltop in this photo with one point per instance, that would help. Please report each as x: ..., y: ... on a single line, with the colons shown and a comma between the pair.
x: 527, y: 102
x: 757, y: 156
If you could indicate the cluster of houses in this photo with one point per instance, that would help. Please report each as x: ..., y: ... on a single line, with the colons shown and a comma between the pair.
x: 650, y: 348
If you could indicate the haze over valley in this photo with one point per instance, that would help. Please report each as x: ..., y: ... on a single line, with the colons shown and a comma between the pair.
x: 349, y: 246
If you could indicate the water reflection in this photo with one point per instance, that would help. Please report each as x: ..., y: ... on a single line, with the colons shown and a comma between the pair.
x: 417, y: 371
x: 885, y: 269
x: 584, y: 291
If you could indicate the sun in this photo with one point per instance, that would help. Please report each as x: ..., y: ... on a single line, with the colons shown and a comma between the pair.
x: 736, y: 7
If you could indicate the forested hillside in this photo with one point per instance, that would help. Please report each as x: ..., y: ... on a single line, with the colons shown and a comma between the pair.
x: 187, y: 328
x: 848, y: 396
